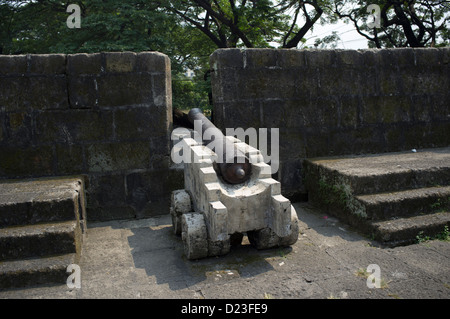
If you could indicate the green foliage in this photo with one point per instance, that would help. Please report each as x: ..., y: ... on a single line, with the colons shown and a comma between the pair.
x: 404, y: 23
x: 188, y: 31
x: 443, y: 236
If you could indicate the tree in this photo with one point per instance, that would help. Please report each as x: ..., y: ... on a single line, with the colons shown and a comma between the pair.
x: 414, y: 23
x: 39, y: 26
x: 249, y: 23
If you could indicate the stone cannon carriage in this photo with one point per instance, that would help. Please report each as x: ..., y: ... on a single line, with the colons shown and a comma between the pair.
x: 227, y: 195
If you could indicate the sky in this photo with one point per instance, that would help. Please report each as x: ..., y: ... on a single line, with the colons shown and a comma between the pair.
x: 350, y: 39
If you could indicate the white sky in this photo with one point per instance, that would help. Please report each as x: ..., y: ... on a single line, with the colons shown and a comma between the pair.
x: 350, y: 39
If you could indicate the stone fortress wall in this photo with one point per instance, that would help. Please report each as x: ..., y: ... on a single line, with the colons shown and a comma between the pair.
x: 108, y: 116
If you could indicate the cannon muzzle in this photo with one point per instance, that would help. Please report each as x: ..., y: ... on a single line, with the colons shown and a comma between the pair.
x: 234, y: 167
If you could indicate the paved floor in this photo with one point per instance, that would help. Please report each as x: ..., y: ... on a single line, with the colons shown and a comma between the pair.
x: 144, y: 259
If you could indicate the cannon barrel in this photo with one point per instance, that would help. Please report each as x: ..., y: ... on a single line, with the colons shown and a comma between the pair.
x: 234, y: 166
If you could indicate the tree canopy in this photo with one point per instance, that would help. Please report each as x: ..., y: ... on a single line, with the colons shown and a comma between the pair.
x: 188, y: 31
x: 413, y: 23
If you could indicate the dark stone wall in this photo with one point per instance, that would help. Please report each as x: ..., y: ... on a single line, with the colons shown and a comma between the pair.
x: 107, y: 116
x: 334, y: 102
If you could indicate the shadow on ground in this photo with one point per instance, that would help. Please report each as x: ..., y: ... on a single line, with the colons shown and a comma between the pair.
x: 158, y: 251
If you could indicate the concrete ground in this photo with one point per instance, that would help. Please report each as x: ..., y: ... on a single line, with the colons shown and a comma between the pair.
x: 144, y: 259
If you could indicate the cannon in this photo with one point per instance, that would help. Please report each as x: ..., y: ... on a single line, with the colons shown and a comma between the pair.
x: 227, y: 194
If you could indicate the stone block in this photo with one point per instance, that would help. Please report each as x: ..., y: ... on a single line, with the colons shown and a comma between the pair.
x: 12, y: 97
x: 21, y: 93
x: 389, y: 82
x: 421, y: 108
x: 106, y: 190
x: 2, y: 128
x: 46, y: 63
x: 13, y: 64
x: 291, y: 58
x: 395, y: 109
x: 141, y: 188
x: 106, y: 213
x: 83, y: 91
x: 320, y: 58
x: 19, y: 128
x: 49, y: 92
x: 404, y: 58
x: 162, y: 92
x: 388, y: 60
x: 153, y: 62
x: 291, y: 144
x: 83, y: 63
x: 316, y: 143
x: 18, y: 162
x: 110, y: 157
x: 69, y: 159
x: 226, y: 58
x: 73, y: 127
x: 224, y: 85
x: 125, y: 89
x: 424, y: 57
x: 260, y: 58
x: 349, y: 58
x: 119, y: 62
x: 394, y: 137
x: 290, y: 176
x: 256, y: 84
x: 371, y: 58
x: 370, y: 109
x: 439, y: 107
x: 349, y: 106
x: 308, y: 82
x: 139, y: 123
x: 324, y: 111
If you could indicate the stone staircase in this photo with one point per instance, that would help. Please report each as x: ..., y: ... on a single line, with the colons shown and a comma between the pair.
x: 42, y: 224
x: 391, y: 197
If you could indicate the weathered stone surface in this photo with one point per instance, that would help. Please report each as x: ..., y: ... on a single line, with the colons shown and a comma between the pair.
x: 83, y: 63
x: 139, y: 123
x: 39, y: 240
x: 27, y: 161
x: 41, y: 200
x: 195, y: 236
x: 337, y: 101
x: 106, y: 115
x: 117, y: 156
x: 391, y: 197
x: 80, y: 126
x: 13, y: 65
x: 47, y: 63
x: 120, y: 62
x: 226, y: 210
x: 180, y: 203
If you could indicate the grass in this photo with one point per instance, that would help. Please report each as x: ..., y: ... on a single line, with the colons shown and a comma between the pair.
x: 443, y: 236
x: 363, y: 273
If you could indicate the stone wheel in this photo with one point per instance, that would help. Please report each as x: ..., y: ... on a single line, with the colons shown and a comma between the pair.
x: 194, y: 235
x: 180, y: 203
x: 266, y: 238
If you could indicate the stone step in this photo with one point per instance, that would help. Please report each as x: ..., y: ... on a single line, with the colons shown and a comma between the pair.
x: 391, y: 196
x: 36, y: 271
x: 36, y: 240
x: 405, y: 203
x: 42, y: 223
x: 408, y: 230
x: 24, y: 202
x: 377, y: 173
